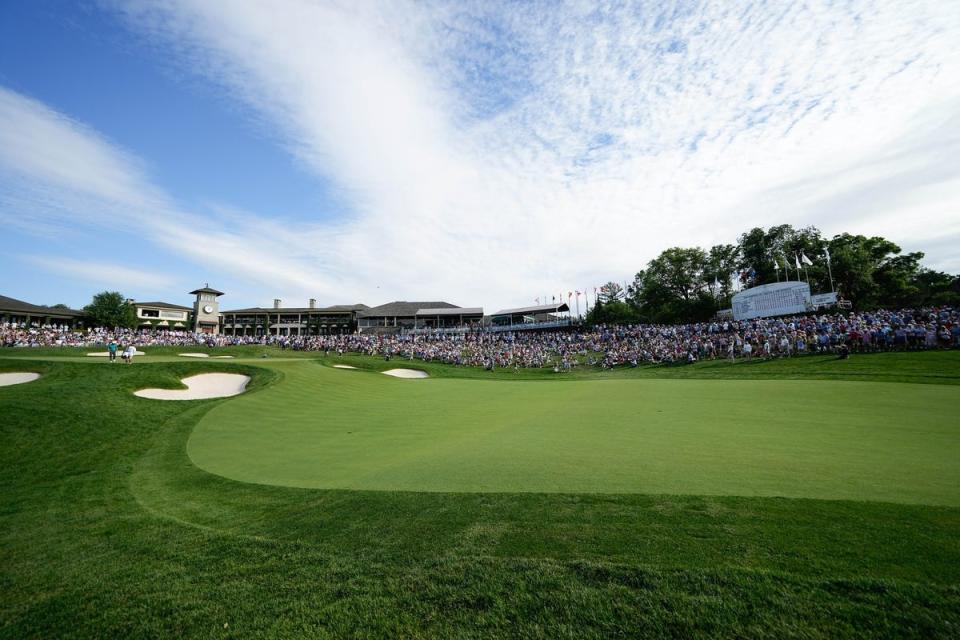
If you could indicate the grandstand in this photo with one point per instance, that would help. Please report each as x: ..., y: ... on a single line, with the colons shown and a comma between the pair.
x: 443, y: 319
x: 401, y: 316
x: 537, y: 317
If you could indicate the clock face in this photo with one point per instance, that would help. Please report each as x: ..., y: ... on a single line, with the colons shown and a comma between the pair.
x: 207, y: 308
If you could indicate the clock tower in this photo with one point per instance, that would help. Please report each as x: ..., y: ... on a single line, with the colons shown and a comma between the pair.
x: 206, y: 310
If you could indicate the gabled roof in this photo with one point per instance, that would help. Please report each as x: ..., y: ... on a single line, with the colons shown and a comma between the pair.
x: 455, y: 311
x: 542, y: 308
x: 19, y: 306
x: 347, y: 307
x: 403, y: 308
x: 162, y: 305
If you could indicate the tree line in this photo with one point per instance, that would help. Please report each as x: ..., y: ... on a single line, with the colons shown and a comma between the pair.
x: 691, y: 284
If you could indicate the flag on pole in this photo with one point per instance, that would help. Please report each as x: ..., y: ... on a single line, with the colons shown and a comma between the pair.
x: 776, y: 265
x: 796, y: 260
x: 805, y: 259
x: 569, y: 294
x: 716, y: 283
x: 826, y: 253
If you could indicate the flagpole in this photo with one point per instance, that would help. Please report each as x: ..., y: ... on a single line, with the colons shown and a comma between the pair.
x: 826, y: 252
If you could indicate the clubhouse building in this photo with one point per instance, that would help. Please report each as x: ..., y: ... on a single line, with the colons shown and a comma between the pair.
x: 291, y: 321
x: 399, y: 316
x: 20, y: 312
x: 162, y: 315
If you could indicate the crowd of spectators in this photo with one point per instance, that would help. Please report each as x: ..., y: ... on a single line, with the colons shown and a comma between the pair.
x: 601, y: 346
x: 13, y: 334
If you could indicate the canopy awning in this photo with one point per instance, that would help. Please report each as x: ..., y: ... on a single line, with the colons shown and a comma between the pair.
x: 535, y: 310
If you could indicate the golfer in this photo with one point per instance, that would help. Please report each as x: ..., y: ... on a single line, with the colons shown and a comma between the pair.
x: 128, y: 353
x: 112, y: 350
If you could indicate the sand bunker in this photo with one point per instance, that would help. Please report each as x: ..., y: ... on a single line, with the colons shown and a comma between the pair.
x: 201, y: 387
x: 104, y: 354
x: 7, y: 379
x: 343, y: 366
x: 200, y: 355
x: 406, y: 373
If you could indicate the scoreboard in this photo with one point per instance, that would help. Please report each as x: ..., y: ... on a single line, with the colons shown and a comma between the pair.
x: 776, y: 299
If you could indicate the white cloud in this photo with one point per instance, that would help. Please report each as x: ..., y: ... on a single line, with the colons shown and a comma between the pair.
x: 58, y: 176
x: 525, y: 146
x: 43, y: 145
x: 102, y: 273
x: 495, y: 153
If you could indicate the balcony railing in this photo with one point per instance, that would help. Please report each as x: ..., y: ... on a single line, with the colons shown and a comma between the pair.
x: 528, y: 326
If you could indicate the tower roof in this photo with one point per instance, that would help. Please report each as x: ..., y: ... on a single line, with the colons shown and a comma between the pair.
x: 206, y: 289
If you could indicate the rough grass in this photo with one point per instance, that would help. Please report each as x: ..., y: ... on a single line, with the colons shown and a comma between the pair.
x: 108, y: 530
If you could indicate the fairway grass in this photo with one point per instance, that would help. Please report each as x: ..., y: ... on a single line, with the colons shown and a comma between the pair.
x: 109, y: 529
x: 810, y: 438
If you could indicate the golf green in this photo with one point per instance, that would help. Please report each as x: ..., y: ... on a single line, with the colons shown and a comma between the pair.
x: 321, y: 427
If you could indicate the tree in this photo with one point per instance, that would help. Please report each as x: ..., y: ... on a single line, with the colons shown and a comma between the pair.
x: 782, y: 245
x: 675, y: 287
x: 612, y: 312
x: 722, y: 261
x: 678, y: 285
x: 896, y: 278
x: 679, y: 272
x: 610, y: 292
x: 871, y: 272
x: 110, y: 309
x: 937, y: 288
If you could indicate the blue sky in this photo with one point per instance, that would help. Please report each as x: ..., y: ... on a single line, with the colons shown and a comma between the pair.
x: 483, y: 153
